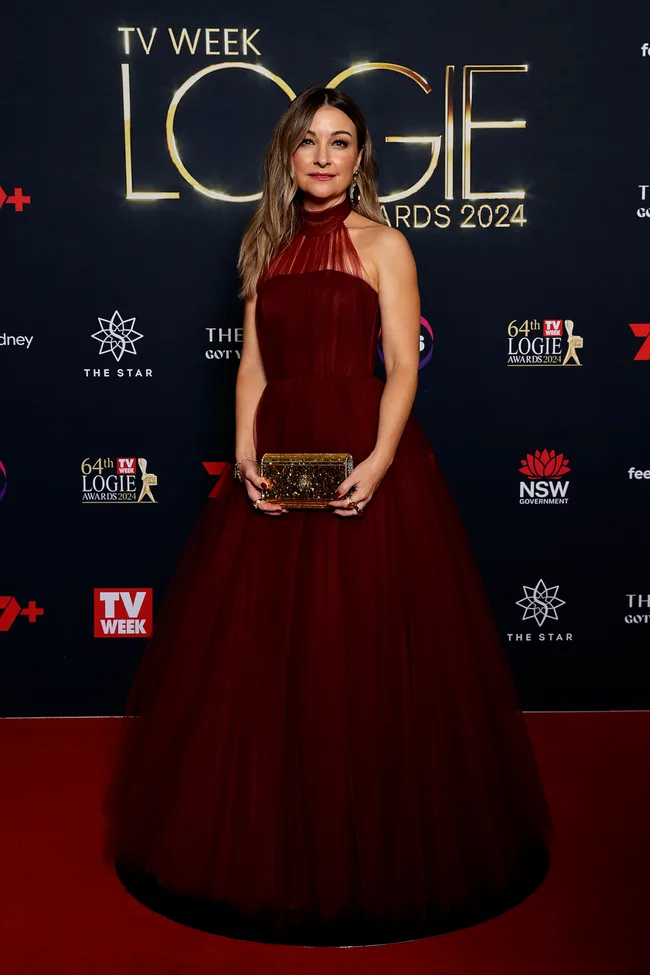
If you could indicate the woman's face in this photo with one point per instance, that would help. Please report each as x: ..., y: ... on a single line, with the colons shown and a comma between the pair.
x: 327, y: 157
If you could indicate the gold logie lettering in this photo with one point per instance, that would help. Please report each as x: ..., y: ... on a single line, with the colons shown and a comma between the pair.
x: 449, y: 132
x: 469, y: 125
x: 128, y: 159
x: 434, y: 141
x: 171, y: 114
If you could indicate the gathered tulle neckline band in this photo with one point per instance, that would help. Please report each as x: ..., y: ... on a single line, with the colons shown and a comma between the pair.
x: 315, y: 222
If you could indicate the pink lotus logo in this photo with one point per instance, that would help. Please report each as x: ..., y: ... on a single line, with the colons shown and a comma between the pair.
x: 544, y: 463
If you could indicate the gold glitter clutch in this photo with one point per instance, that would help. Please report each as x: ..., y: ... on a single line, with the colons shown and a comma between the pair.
x: 303, y: 480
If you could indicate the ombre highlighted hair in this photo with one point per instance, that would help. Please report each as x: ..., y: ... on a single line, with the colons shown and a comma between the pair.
x: 277, y: 216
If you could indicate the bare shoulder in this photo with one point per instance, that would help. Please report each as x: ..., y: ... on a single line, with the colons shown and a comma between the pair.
x: 384, y: 252
x: 382, y: 245
x: 379, y: 236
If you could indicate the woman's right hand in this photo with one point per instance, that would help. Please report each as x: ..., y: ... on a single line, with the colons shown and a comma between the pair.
x: 254, y: 484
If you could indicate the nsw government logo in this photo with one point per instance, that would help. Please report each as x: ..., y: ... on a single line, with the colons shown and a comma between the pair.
x: 117, y: 338
x: 540, y: 604
x: 544, y: 481
x: 123, y: 612
x: 550, y: 342
x: 117, y: 481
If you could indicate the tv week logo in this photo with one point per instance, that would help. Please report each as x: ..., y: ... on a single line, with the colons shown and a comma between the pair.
x: 123, y: 612
x: 553, y: 328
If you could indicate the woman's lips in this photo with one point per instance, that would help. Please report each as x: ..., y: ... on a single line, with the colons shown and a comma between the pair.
x: 321, y: 176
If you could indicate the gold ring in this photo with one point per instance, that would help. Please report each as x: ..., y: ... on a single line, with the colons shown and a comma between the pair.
x: 256, y: 502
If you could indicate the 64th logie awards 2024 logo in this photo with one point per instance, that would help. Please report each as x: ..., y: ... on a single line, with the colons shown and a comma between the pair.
x: 551, y: 342
x: 116, y: 481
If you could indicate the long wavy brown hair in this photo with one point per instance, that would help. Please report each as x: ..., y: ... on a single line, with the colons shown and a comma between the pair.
x: 277, y: 216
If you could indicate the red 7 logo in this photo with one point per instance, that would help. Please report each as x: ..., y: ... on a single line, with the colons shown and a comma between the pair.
x: 215, y: 468
x: 642, y: 332
x: 10, y: 612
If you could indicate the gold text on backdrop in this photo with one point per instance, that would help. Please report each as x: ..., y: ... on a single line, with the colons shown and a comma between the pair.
x: 416, y: 216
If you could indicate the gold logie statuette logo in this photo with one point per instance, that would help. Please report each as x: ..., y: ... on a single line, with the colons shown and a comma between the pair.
x: 438, y: 146
x: 549, y: 342
x: 113, y: 480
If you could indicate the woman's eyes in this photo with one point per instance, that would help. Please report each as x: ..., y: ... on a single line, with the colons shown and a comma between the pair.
x: 337, y: 142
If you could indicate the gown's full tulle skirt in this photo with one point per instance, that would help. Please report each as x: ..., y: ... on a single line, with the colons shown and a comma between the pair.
x: 323, y: 734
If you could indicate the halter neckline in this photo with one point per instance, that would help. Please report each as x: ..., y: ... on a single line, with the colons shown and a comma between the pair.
x: 317, y: 222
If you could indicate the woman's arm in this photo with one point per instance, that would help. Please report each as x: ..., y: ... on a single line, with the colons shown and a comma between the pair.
x: 399, y: 302
x: 251, y: 381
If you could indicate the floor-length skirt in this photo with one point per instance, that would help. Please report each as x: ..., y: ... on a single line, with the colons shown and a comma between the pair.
x: 323, y: 738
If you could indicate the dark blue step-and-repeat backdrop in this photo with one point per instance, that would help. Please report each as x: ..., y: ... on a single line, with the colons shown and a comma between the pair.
x: 514, y: 155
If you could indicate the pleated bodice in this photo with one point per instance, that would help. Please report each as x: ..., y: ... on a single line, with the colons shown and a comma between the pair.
x: 316, y: 314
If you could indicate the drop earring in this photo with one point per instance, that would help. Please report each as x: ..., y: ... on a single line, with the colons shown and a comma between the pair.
x: 353, y: 191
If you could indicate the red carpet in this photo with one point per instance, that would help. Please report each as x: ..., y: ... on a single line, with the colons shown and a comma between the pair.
x: 63, y: 911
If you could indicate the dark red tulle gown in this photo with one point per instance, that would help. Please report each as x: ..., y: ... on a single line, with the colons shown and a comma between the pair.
x: 323, y: 743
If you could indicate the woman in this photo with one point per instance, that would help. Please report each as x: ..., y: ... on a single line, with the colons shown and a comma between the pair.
x: 328, y: 745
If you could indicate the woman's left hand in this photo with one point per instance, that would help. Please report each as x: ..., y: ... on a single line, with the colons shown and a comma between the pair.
x: 365, y: 479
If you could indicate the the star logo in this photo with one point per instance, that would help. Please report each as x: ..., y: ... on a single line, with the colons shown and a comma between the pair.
x: 117, y: 335
x: 540, y: 603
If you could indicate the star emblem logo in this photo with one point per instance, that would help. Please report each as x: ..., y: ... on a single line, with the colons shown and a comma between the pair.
x: 540, y: 602
x: 117, y: 335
